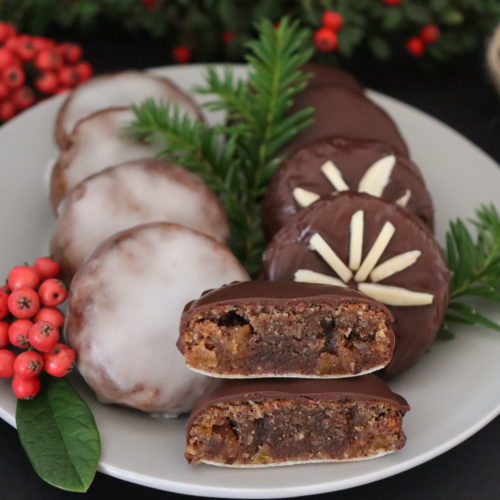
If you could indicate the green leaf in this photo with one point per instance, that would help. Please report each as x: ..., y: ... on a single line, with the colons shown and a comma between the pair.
x: 59, y: 434
x: 379, y: 47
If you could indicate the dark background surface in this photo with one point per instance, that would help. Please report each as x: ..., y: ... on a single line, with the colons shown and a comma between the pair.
x: 459, y: 95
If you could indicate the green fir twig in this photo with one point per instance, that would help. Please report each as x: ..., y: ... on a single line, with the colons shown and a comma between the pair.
x: 238, y: 160
x: 474, y: 261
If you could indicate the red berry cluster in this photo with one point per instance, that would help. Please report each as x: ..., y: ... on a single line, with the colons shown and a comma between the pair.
x: 325, y: 38
x: 33, y: 67
x: 415, y: 45
x: 29, y: 324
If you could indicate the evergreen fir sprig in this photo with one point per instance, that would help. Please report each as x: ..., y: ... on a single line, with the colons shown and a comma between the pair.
x: 474, y: 260
x: 237, y: 160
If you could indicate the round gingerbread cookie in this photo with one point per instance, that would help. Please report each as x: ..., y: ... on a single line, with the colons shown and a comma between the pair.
x: 98, y: 142
x: 341, y: 112
x: 117, y: 90
x: 125, y: 305
x: 337, y: 164
x: 363, y: 242
x: 129, y: 194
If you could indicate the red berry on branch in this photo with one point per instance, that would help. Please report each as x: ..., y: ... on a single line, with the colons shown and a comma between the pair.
x: 14, y: 76
x: 47, y: 267
x: 68, y: 76
x: 50, y: 315
x: 6, y: 31
x: 392, y: 2
x: 23, y: 303
x: 7, y: 359
x: 325, y: 40
x: 84, y: 70
x: 25, y: 388
x: 181, y: 54
x: 149, y: 4
x: 23, y: 276
x: 4, y: 333
x: 59, y: 361
x: 42, y: 43
x: 332, y: 20
x: 52, y: 292
x: 4, y: 310
x: 415, y: 46
x: 48, y: 59
x: 19, y: 333
x: 227, y: 36
x: 7, y: 110
x: 47, y: 82
x: 28, y: 364
x: 25, y: 48
x: 23, y: 98
x: 430, y: 33
x: 70, y: 52
x: 7, y: 58
x: 43, y: 336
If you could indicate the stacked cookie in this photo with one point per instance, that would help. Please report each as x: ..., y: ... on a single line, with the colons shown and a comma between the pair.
x: 349, y: 207
x: 137, y: 237
x: 355, y: 284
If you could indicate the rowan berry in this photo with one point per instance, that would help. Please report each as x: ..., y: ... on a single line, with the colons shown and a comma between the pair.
x: 23, y: 276
x: 325, y: 40
x: 50, y: 315
x: 59, y: 361
x: 23, y: 303
x: 19, y: 333
x: 332, y: 20
x: 25, y: 388
x: 28, y: 364
x: 47, y: 267
x: 6, y: 363
x: 4, y: 333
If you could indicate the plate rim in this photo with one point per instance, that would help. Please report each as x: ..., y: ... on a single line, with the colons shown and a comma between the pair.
x: 308, y: 489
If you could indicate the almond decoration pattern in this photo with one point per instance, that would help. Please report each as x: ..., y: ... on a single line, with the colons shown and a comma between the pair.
x: 373, y: 182
x: 364, y: 274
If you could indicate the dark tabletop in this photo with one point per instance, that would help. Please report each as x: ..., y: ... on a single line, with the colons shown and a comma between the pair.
x: 459, y: 95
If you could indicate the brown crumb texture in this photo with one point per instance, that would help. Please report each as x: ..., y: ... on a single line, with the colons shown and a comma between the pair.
x: 280, y: 431
x: 307, y: 339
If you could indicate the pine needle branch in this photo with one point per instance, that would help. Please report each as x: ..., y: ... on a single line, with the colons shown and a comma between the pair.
x: 474, y: 260
x: 238, y: 160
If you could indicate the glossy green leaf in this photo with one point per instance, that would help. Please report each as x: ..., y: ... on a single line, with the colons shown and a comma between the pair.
x: 58, y: 432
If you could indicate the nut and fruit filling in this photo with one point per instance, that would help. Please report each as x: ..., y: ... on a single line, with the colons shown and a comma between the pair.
x: 305, y: 338
x: 283, y: 431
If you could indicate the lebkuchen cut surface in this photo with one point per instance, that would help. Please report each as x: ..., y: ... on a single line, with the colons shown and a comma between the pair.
x: 363, y: 242
x: 125, y: 304
x: 280, y: 422
x: 98, y: 142
x: 281, y: 329
x: 129, y: 194
x: 117, y: 90
x: 323, y: 74
x: 337, y: 164
x: 342, y: 112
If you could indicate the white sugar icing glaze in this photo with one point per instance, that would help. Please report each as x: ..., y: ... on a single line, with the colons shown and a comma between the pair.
x: 97, y: 143
x: 127, y: 195
x: 124, y: 309
x: 120, y: 89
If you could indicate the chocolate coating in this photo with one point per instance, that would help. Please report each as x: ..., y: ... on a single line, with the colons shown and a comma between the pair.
x: 342, y: 112
x: 363, y: 388
x: 274, y: 293
x: 415, y: 326
x: 352, y: 157
x: 323, y: 74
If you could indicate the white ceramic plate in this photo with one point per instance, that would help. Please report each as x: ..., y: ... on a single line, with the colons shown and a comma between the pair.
x: 454, y: 390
